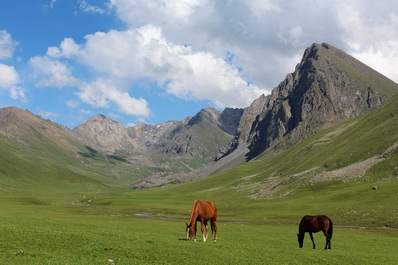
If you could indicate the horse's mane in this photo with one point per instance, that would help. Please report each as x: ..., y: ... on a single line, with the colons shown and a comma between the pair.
x: 192, y: 211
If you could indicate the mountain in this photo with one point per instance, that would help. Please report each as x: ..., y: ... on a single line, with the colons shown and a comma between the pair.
x: 103, y: 134
x: 39, y: 154
x: 197, y: 137
x: 108, y: 152
x: 24, y: 127
x: 200, y: 136
x: 327, y: 86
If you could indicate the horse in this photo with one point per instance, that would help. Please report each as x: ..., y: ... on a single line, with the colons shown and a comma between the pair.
x: 314, y: 224
x: 203, y: 212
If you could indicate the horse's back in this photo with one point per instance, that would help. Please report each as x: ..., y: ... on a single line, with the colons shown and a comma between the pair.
x: 208, y: 209
x: 314, y: 223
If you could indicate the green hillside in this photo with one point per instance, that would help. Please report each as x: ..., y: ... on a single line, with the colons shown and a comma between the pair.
x: 332, y: 172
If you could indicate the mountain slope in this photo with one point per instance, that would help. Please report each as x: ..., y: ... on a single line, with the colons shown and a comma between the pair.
x: 348, y: 171
x: 328, y: 86
x: 36, y: 153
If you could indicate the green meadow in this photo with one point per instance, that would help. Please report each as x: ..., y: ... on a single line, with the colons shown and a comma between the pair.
x: 72, y: 230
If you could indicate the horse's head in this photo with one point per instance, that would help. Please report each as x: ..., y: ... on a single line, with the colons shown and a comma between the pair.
x: 190, y: 230
x: 300, y: 238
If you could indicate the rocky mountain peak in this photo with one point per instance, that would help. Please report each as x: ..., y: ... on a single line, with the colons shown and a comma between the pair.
x: 205, y: 115
x: 327, y: 86
x: 106, y: 135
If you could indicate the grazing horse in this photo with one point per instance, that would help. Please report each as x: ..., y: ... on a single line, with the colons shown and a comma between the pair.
x: 313, y: 224
x: 203, y: 212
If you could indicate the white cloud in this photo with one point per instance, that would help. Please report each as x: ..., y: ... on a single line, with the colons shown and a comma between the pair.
x: 102, y: 93
x: 7, y: 45
x: 90, y: 8
x: 8, y: 76
x: 186, y: 47
x: 53, y: 73
x: 9, y: 80
x: 144, y: 52
x: 210, y: 78
x: 266, y: 35
x: 372, y: 36
x: 137, y: 13
x: 67, y: 49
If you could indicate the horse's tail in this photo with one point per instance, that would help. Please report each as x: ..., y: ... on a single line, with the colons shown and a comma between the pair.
x: 212, y: 226
x: 330, y: 231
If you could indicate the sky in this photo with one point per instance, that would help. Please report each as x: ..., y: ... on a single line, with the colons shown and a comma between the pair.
x: 158, y: 60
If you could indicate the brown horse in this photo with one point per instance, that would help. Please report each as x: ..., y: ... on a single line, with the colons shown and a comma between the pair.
x: 313, y: 224
x: 203, y: 212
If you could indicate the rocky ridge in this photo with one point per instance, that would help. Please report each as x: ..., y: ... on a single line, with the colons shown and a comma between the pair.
x: 326, y: 87
x: 186, y: 138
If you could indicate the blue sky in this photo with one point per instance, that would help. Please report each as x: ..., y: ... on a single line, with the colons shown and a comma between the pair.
x: 154, y: 61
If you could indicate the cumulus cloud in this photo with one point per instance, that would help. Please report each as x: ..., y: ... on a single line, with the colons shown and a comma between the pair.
x: 188, y: 74
x: 227, y: 52
x: 53, y: 73
x: 372, y: 36
x: 9, y: 77
x: 269, y: 37
x: 9, y: 80
x: 102, y: 93
x: 67, y: 49
x: 7, y: 45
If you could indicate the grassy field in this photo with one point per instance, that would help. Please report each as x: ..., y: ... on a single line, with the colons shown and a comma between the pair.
x: 39, y: 233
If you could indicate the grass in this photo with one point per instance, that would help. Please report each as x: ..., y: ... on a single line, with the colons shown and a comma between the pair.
x: 47, y: 234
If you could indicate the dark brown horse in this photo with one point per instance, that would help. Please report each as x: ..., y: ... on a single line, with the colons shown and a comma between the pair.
x: 313, y: 224
x: 203, y: 212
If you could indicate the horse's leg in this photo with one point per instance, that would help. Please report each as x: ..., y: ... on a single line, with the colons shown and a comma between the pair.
x: 215, y: 230
x: 202, y: 221
x: 196, y: 230
x: 312, y: 239
x: 327, y: 246
x: 207, y: 230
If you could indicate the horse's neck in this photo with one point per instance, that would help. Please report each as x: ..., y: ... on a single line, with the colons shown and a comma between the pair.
x: 193, y: 213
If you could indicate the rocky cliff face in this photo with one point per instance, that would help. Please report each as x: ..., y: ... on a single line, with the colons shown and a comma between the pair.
x: 194, y: 137
x: 106, y: 135
x: 327, y: 86
x: 200, y: 136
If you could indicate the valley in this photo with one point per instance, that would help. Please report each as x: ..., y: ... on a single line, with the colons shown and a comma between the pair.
x: 324, y: 142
